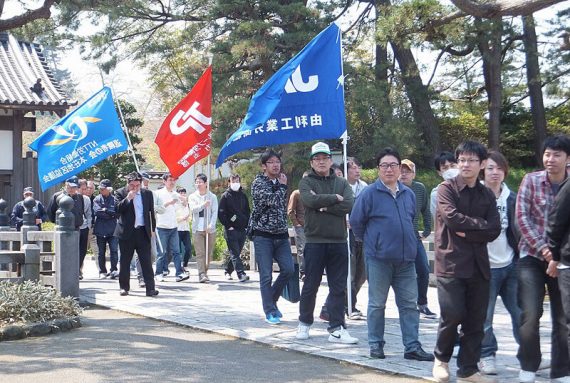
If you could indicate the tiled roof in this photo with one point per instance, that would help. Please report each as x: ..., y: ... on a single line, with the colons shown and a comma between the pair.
x: 22, y: 65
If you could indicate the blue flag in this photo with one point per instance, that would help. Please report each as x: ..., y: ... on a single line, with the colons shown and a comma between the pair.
x: 303, y: 101
x: 89, y: 134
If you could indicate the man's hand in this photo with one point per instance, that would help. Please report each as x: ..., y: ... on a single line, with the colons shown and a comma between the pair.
x: 282, y: 179
x: 460, y: 234
x: 131, y: 195
x: 552, y: 269
x: 339, y: 198
x: 207, y: 203
x: 547, y: 254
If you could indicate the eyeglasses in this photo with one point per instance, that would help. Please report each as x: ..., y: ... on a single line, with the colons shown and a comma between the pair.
x: 392, y: 165
x: 406, y: 172
x: 273, y: 163
x: 321, y: 159
x: 468, y: 160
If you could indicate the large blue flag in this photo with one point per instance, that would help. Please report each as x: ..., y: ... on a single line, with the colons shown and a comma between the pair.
x: 89, y: 134
x: 303, y: 101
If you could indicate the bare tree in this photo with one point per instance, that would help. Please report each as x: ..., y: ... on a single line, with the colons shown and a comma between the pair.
x: 534, y: 84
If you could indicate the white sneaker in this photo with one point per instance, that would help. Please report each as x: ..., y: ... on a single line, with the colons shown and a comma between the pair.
x: 303, y: 331
x: 544, y: 364
x: 527, y: 376
x: 440, y: 371
x: 477, y: 378
x: 562, y: 379
x: 342, y: 336
x: 487, y: 365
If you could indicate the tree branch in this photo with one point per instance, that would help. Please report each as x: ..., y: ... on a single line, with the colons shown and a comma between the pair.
x: 497, y: 8
x: 42, y: 12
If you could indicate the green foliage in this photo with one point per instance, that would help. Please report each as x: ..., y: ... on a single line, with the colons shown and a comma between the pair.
x: 32, y: 302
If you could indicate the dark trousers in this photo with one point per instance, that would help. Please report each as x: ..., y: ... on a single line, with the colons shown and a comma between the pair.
x: 564, y: 285
x: 186, y: 243
x: 532, y: 277
x: 235, y: 239
x: 113, y: 250
x: 141, y: 243
x: 83, y: 240
x: 332, y: 257
x: 422, y: 272
x: 462, y: 301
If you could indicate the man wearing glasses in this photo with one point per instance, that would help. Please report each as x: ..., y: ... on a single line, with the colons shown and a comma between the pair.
x: 467, y: 220
x: 268, y: 226
x: 327, y: 199
x: 382, y: 219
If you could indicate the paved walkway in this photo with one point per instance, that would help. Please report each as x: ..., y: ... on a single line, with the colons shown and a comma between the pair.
x: 234, y: 309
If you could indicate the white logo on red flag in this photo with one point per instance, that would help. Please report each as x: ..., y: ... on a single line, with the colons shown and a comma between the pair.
x: 185, y: 135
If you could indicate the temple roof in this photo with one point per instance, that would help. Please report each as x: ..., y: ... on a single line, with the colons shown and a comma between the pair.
x: 26, y: 81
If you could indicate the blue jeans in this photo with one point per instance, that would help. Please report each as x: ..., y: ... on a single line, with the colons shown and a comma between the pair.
x: 422, y: 272
x: 186, y: 242
x: 113, y: 250
x: 402, y: 277
x: 170, y: 244
x: 267, y: 249
x: 532, y: 277
x: 334, y: 258
x: 503, y: 283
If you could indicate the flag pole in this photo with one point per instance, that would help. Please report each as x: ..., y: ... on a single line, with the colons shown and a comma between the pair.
x: 210, y: 59
x: 207, y: 214
x: 348, y: 277
x: 126, y: 131
x: 344, y: 138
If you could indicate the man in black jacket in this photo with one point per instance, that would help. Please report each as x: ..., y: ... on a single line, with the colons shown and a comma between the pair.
x: 233, y: 213
x: 558, y: 234
x: 135, y: 227
x: 17, y: 217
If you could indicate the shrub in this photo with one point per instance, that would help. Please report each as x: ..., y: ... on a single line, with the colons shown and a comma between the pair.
x: 32, y: 302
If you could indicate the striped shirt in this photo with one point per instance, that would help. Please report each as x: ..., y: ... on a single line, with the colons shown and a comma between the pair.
x: 422, y: 206
x: 535, y: 197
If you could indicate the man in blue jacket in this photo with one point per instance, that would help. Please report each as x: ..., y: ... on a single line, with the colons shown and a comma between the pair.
x: 383, y: 219
x: 104, y: 229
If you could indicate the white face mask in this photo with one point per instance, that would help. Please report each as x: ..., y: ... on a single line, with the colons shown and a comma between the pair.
x: 235, y: 186
x: 450, y: 173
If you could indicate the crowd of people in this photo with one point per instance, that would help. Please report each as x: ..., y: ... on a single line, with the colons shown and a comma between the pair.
x: 489, y: 242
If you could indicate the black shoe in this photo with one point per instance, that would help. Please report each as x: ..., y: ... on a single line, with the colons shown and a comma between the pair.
x: 377, y: 352
x: 152, y: 293
x: 123, y: 292
x: 420, y: 355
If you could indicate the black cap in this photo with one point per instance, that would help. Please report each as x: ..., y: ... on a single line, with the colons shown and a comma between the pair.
x: 105, y: 184
x: 72, y: 181
x: 145, y: 176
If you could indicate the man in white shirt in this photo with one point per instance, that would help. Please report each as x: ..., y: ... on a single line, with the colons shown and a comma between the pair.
x: 167, y: 228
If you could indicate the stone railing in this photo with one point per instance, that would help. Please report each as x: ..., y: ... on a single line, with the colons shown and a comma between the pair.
x: 26, y: 254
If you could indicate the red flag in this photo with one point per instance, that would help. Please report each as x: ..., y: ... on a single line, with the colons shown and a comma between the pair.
x: 185, y: 135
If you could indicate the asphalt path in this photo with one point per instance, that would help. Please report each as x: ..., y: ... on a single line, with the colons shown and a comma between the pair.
x: 114, y: 346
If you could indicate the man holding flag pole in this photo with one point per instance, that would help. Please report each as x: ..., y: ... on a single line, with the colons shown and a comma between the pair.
x: 303, y: 101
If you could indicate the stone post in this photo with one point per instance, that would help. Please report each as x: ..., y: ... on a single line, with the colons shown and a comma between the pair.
x: 31, y: 269
x: 66, y: 241
x: 4, y: 226
x: 4, y: 223
x: 29, y: 218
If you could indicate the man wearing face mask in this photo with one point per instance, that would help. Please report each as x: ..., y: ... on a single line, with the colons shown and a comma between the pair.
x: 233, y: 213
x: 446, y: 166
